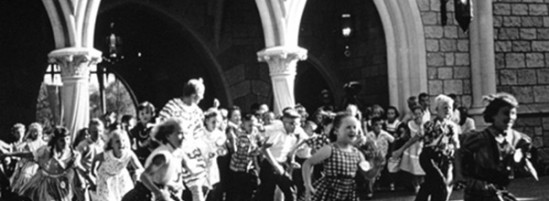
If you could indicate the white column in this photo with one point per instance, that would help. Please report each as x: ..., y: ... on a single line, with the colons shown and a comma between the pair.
x: 281, y: 21
x: 282, y: 69
x: 75, y: 64
x: 73, y: 26
x: 483, y: 67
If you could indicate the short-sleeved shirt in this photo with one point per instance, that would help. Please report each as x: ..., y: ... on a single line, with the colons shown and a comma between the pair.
x: 168, y: 174
x: 175, y: 108
x: 195, y: 160
x: 441, y: 135
x: 282, y: 142
x: 246, y: 150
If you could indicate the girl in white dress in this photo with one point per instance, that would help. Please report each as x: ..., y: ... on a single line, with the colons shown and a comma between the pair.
x: 113, y: 178
x: 411, y: 150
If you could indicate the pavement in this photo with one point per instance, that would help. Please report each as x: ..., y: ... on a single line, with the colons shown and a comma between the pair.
x: 524, y: 188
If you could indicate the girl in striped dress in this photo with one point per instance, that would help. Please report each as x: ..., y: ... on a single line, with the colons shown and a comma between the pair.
x: 341, y: 160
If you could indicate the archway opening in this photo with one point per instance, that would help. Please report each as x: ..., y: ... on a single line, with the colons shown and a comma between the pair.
x: 360, y: 56
x: 118, y: 97
x: 155, y: 57
x: 309, y: 83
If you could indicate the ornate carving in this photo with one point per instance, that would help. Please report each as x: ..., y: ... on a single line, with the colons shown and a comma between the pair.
x: 74, y: 62
x: 282, y: 60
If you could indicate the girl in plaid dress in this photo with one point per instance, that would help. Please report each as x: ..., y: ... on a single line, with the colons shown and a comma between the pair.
x: 341, y: 161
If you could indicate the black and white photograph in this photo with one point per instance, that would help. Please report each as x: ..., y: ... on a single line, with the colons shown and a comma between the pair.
x: 274, y: 100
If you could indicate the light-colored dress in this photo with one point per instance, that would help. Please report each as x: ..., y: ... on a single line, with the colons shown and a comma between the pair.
x: 25, y: 168
x: 113, y: 179
x: 410, y: 156
x: 213, y: 146
x: 54, y: 179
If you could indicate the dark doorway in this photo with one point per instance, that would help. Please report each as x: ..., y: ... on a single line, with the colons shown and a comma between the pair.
x: 308, y: 85
x: 155, y: 57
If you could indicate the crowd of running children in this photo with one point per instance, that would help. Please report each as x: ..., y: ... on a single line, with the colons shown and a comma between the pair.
x: 183, y: 153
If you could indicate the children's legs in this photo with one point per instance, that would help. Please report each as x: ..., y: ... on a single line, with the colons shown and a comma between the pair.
x: 371, y: 184
x: 198, y: 194
x: 298, y: 178
x: 416, y: 182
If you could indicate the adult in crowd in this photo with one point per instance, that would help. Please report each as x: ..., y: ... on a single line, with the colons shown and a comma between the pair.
x: 276, y: 168
x: 487, y: 159
x: 186, y: 107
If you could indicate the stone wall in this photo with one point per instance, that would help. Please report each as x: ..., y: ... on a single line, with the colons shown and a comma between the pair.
x: 241, y: 38
x: 320, y: 34
x: 521, y: 32
x: 448, y: 59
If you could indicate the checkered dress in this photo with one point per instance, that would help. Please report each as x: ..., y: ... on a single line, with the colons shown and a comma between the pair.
x: 338, y: 183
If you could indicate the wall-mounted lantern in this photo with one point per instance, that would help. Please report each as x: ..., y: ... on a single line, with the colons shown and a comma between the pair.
x: 347, y: 31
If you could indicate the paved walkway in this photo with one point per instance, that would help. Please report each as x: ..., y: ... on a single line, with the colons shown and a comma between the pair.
x: 523, y: 188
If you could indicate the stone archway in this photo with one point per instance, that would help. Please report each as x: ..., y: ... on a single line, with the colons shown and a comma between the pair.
x: 213, y: 67
x: 312, y: 77
x: 406, y: 54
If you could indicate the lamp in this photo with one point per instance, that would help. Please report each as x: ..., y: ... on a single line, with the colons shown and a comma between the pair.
x: 347, y: 31
x: 464, y: 13
x: 114, y: 44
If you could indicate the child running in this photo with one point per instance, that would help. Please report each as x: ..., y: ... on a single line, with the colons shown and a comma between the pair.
x: 113, y: 179
x: 381, y: 139
x: 411, y: 150
x: 341, y: 161
x: 244, y: 163
x: 161, y: 179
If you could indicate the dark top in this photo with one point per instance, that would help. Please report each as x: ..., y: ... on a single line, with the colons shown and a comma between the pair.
x: 484, y: 158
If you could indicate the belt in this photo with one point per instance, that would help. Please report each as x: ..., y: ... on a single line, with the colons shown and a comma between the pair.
x: 340, y: 176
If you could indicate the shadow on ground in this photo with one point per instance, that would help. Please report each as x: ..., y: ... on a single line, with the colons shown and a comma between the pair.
x: 523, y: 188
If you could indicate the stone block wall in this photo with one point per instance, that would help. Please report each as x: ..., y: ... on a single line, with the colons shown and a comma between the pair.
x: 241, y: 38
x: 521, y: 33
x: 448, y: 59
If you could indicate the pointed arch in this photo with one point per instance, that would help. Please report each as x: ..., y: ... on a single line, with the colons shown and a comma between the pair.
x: 406, y: 54
x: 213, y: 67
